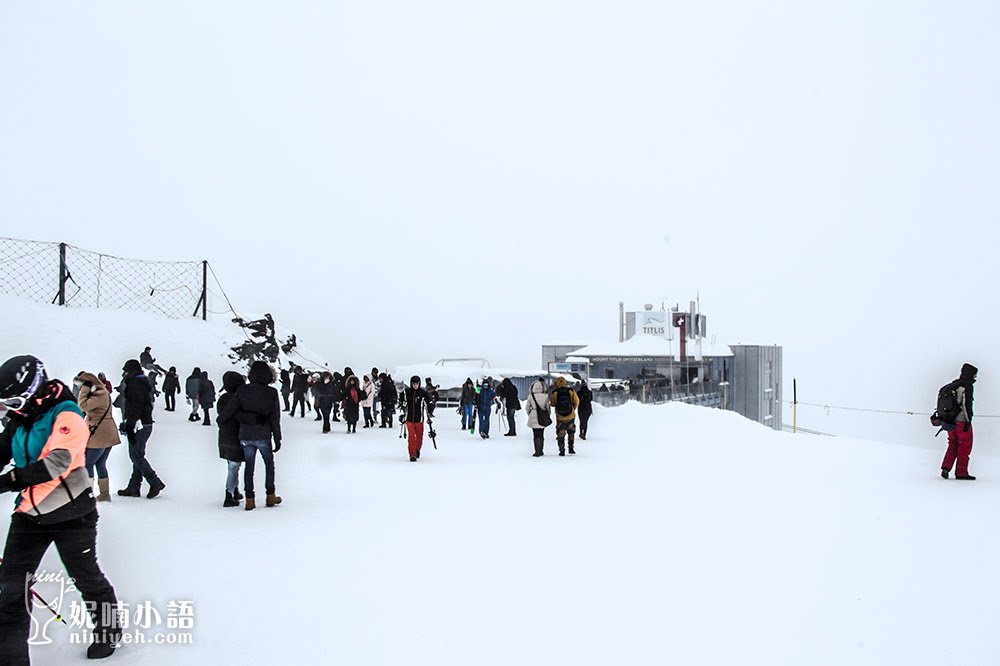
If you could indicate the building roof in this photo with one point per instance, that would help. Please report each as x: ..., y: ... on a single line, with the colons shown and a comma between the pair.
x: 453, y: 375
x: 646, y: 346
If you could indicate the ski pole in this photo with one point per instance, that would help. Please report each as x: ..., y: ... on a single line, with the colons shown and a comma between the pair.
x: 44, y: 603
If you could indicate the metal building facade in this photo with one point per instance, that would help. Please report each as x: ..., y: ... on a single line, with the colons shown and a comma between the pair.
x: 755, y: 383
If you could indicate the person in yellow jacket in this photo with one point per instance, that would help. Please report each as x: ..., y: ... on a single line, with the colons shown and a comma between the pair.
x: 565, y: 401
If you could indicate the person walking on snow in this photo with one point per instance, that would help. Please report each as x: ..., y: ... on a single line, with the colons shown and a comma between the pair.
x: 230, y: 448
x: 171, y: 387
x: 565, y: 401
x: 467, y: 404
x: 257, y: 409
x: 192, y: 389
x: 138, y: 429
x: 486, y: 396
x: 95, y: 403
x: 324, y: 392
x: 368, y: 388
x: 414, y: 400
x: 586, y: 409
x: 508, y: 392
x: 351, y: 404
x: 300, y: 387
x: 46, y: 439
x: 537, y: 408
x: 387, y: 396
x: 286, y: 388
x: 206, y: 397
x: 960, y: 439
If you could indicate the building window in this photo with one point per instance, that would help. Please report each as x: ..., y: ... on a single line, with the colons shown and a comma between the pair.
x: 609, y: 373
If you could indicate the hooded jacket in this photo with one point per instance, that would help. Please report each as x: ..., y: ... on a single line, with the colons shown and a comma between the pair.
x: 256, y: 407
x: 351, y: 404
x: 538, y: 400
x: 468, y: 393
x: 138, y: 401
x: 206, y: 394
x: 562, y: 387
x: 586, y: 397
x: 965, y: 382
x: 171, y: 385
x: 369, y: 390
x: 49, y: 451
x: 229, y: 431
x: 95, y: 403
x: 508, y: 392
x: 192, y: 387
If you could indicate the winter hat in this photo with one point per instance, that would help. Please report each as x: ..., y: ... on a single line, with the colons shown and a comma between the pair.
x: 969, y: 371
x: 414, y: 379
x: 260, y: 373
x: 21, y: 377
x: 131, y: 367
x: 232, y: 380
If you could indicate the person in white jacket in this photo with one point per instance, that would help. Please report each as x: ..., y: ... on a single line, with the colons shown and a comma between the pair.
x: 539, y: 418
x: 369, y: 388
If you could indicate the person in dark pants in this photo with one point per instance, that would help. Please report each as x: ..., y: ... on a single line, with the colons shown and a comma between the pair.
x: 258, y: 411
x: 324, y: 391
x: 206, y: 397
x: 508, y: 392
x: 485, y: 406
x: 192, y: 389
x: 538, y: 402
x: 387, y: 396
x: 586, y: 408
x: 468, y: 404
x: 286, y: 388
x: 960, y: 438
x: 46, y: 438
x: 351, y: 404
x: 138, y: 426
x: 171, y: 387
x: 432, y: 396
x: 300, y: 388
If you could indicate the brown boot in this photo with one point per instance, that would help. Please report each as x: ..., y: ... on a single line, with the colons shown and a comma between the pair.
x: 104, y: 492
x: 272, y: 500
x: 250, y: 504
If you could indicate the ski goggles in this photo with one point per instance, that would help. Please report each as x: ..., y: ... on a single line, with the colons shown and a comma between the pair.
x: 14, y: 403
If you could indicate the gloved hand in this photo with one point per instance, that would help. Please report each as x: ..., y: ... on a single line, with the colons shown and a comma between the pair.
x: 9, y: 483
x: 122, y: 428
x: 277, y: 446
x: 966, y: 427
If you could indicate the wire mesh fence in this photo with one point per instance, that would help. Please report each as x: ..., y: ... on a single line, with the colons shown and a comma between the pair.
x: 66, y: 275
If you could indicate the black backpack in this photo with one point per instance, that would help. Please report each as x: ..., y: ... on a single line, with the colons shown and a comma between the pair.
x: 948, y: 407
x: 564, y: 402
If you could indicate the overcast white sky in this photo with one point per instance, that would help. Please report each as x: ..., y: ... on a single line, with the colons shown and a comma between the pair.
x: 402, y: 181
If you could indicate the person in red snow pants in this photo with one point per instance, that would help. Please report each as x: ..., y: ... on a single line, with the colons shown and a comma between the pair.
x: 415, y: 438
x: 959, y: 450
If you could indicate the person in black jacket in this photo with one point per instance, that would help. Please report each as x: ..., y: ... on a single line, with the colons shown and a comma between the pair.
x: 300, y: 387
x: 413, y: 400
x: 206, y: 397
x: 339, y: 386
x: 512, y: 404
x: 138, y: 425
x: 387, y: 396
x: 286, y: 388
x: 960, y: 438
x: 586, y: 408
x: 324, y: 391
x: 192, y: 389
x: 171, y: 387
x: 257, y: 409
x: 468, y: 404
x: 230, y: 448
x: 353, y: 395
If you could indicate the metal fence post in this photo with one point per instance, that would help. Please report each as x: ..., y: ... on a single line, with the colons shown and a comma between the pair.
x: 62, y: 273
x: 204, y: 290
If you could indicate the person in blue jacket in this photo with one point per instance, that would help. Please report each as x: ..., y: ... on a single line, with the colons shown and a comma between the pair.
x: 486, y: 396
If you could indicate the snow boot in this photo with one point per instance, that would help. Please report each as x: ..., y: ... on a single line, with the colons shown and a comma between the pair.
x: 104, y: 494
x: 562, y: 451
x: 250, y: 504
x: 572, y: 452
x: 272, y: 500
x: 413, y: 459
x: 967, y: 477
x: 100, y: 650
x: 537, y: 455
x: 230, y: 500
x: 237, y: 495
x: 944, y: 474
x: 129, y: 492
x: 155, y: 489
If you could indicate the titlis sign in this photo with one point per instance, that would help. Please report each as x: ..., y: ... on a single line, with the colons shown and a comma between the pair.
x: 655, y: 323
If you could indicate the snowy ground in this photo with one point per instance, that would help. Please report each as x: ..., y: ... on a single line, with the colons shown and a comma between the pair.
x: 677, y: 535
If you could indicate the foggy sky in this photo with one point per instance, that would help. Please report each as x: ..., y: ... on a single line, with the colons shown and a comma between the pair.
x: 403, y: 181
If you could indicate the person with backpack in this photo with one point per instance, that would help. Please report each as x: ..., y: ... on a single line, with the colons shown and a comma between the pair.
x: 138, y: 427
x: 387, y: 396
x: 230, y: 448
x: 257, y: 409
x: 485, y: 405
x: 46, y: 440
x: 206, y: 397
x: 192, y: 389
x: 95, y: 403
x: 955, y: 410
x: 171, y: 387
x: 413, y: 401
x: 300, y: 387
x: 512, y: 404
x: 566, y: 401
x: 537, y: 408
x: 586, y: 409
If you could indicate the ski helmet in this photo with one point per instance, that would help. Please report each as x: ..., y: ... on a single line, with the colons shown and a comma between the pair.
x: 21, y: 377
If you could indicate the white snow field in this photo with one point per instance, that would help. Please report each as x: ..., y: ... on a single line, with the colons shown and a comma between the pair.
x: 676, y: 535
